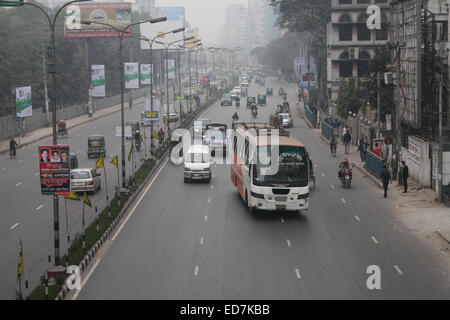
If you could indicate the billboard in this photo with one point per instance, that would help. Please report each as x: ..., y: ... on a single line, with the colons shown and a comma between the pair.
x: 98, y: 80
x: 54, y: 170
x: 9, y: 4
x: 118, y: 15
x: 171, y: 68
x: 190, y: 33
x: 23, y: 102
x: 131, y: 75
x: 146, y: 73
x: 175, y: 20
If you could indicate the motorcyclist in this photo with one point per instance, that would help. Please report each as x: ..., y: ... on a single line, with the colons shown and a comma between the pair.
x: 235, y: 116
x: 284, y: 96
x: 137, y: 138
x: 345, y: 165
x: 254, y: 108
x: 238, y: 102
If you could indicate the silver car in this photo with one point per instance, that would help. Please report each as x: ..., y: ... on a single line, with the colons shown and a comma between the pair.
x: 288, y: 122
x: 85, y: 179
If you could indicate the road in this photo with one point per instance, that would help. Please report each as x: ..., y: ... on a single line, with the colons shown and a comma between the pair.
x: 28, y: 215
x: 198, y: 241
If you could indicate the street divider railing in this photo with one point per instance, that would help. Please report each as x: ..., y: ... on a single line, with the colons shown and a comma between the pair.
x: 312, y: 117
x: 374, y: 164
x: 102, y: 228
x: 327, y: 131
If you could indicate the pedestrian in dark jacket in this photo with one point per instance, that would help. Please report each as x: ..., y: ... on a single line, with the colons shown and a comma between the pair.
x: 385, y: 178
x: 405, y: 174
x: 347, y: 139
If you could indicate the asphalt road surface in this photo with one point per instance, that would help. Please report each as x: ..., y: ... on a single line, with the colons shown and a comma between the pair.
x: 27, y: 214
x: 198, y: 241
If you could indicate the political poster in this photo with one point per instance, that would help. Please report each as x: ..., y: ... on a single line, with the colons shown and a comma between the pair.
x: 54, y: 170
x: 146, y: 73
x: 131, y: 75
x: 98, y: 80
x: 171, y: 68
x: 23, y: 102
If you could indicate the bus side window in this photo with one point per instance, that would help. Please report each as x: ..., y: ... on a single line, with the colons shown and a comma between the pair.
x: 246, y: 152
x: 235, y: 144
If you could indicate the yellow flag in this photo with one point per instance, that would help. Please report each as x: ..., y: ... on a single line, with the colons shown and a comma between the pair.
x: 166, y: 121
x: 131, y: 151
x: 100, y: 163
x: 115, y: 161
x: 155, y: 135
x: 86, y: 199
x: 72, y: 196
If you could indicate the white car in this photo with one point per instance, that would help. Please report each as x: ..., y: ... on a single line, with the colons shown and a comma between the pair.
x: 288, y: 122
x: 197, y: 163
x: 85, y: 179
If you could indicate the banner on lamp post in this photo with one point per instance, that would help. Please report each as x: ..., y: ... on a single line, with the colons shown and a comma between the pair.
x: 131, y: 75
x: 171, y: 68
x: 98, y: 80
x: 24, y: 107
x: 146, y: 73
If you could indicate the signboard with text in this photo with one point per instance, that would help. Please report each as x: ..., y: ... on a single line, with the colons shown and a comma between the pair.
x: 54, y: 170
x: 24, y: 107
x: 98, y: 80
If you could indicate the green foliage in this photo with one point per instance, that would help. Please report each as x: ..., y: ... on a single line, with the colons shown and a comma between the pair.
x: 348, y: 98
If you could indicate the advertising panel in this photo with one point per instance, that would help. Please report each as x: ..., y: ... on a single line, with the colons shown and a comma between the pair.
x: 131, y: 75
x: 171, y: 68
x: 146, y: 73
x: 128, y: 132
x: 117, y: 15
x: 23, y: 102
x: 98, y: 80
x: 54, y: 170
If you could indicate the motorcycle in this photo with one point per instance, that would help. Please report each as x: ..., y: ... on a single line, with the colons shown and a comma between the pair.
x: 138, y: 146
x: 235, y: 118
x: 238, y: 104
x: 254, y: 113
x: 346, y: 178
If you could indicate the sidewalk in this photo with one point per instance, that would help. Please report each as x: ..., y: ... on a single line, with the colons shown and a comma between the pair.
x: 418, y: 210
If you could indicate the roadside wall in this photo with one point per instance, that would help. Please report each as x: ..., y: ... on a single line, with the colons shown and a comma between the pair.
x: 418, y: 160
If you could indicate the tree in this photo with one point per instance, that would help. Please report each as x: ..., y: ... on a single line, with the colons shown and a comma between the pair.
x: 348, y: 98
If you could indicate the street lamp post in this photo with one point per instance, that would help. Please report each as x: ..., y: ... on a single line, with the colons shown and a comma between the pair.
x: 120, y: 33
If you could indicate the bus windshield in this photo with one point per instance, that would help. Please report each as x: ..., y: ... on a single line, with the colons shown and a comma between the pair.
x: 292, y: 169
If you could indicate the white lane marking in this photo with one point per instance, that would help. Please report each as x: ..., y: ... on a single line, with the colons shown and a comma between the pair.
x: 196, y: 271
x: 297, y: 273
x: 34, y: 154
x: 209, y: 200
x: 18, y: 184
x: 40, y: 207
x: 20, y: 161
x: 12, y: 227
x: 398, y: 270
x: 282, y: 220
x: 78, y: 135
x: 374, y: 239
x: 288, y: 242
x: 206, y: 218
x: 357, y: 218
x: 202, y: 240
x: 323, y: 175
x: 331, y: 186
x: 343, y: 200
x: 3, y: 168
x: 315, y: 165
x: 78, y: 151
x: 86, y: 279
x: 139, y: 201
x: 37, y: 173
x: 212, y: 186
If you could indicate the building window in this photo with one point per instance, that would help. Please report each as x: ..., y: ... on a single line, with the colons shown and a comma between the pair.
x: 345, y: 1
x: 363, y: 68
x: 363, y: 32
x: 345, y: 28
x: 381, y: 1
x: 363, y: 1
x: 345, y: 67
x: 440, y: 31
x: 382, y: 34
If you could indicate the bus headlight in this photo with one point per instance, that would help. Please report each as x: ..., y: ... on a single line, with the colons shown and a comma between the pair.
x: 257, y: 195
x: 303, y: 196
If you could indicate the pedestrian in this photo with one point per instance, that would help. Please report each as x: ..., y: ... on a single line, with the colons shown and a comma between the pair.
x: 362, y: 146
x: 377, y: 150
x: 344, y: 131
x: 386, y: 179
x: 405, y: 174
x: 12, y: 147
x: 347, y: 139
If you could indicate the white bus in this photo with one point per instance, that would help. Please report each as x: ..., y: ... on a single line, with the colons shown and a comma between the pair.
x: 285, y: 190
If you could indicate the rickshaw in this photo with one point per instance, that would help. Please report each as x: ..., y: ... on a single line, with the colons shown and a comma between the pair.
x: 269, y: 91
x: 262, y: 100
x: 96, y: 146
x: 250, y: 100
x: 62, y: 128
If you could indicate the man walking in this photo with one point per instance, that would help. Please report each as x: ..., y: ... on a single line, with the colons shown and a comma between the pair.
x: 385, y: 178
x: 362, y: 147
x: 405, y: 173
x: 347, y: 138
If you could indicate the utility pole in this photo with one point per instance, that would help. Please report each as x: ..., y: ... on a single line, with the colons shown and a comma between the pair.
x: 44, y: 65
x: 378, y: 108
x: 440, y: 161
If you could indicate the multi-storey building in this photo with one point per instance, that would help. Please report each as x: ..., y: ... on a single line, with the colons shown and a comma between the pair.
x: 351, y: 44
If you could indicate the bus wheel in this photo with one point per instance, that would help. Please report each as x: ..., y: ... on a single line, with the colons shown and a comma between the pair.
x: 251, y: 210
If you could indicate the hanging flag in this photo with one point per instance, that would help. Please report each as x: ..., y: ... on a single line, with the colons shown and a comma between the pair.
x: 166, y: 121
x: 140, y: 136
x: 86, y: 199
x: 20, y: 263
x: 131, y: 151
x: 155, y: 135
x: 72, y: 196
x: 115, y: 161
x: 100, y: 162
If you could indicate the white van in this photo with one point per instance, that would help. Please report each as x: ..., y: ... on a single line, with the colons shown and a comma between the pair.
x: 197, y: 163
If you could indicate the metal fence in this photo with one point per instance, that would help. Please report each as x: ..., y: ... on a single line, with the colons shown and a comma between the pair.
x: 312, y: 117
x: 374, y: 164
x: 327, y: 130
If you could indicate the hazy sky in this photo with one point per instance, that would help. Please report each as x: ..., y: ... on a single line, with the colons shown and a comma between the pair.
x: 206, y: 15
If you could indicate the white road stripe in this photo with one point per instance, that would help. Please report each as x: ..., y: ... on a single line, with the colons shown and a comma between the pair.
x: 202, y: 240
x: 36, y: 174
x: 209, y: 200
x: 196, y: 271
x: 332, y: 186
x: 139, y: 201
x: 288, y: 242
x: 398, y: 270
x: 3, y: 168
x: 343, y: 200
x: 12, y: 227
x: 18, y: 184
x: 206, y: 218
x: 374, y: 240
x: 86, y: 279
x: 297, y: 273
x: 20, y: 161
x: 40, y: 207
x: 282, y: 220
x: 323, y: 175
x: 315, y: 165
x: 357, y: 218
x: 34, y: 154
x: 78, y: 151
x: 212, y: 186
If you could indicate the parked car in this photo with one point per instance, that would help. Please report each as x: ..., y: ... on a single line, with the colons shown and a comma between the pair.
x: 85, y: 179
x: 288, y: 122
x: 226, y: 100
